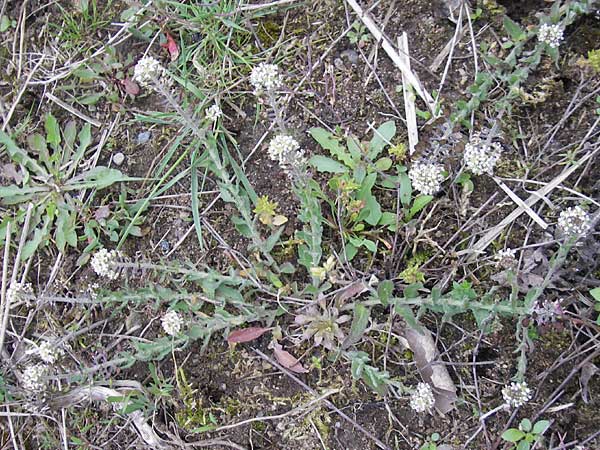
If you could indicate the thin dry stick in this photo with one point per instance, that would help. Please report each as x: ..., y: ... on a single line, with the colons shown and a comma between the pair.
x: 4, y: 301
x: 492, y: 234
x: 409, y: 97
x: 394, y: 56
x: 327, y: 402
x: 74, y: 111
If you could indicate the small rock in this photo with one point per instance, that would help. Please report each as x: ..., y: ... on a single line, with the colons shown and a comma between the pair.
x: 118, y: 158
x: 143, y: 137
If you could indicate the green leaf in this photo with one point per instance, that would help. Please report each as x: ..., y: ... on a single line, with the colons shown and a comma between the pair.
x: 360, y: 321
x: 523, y: 445
x: 384, y: 291
x: 99, y: 177
x: 90, y: 99
x: 513, y: 435
x: 20, y: 156
x: 325, y: 164
x: 65, y: 229
x: 513, y: 29
x: 405, y: 189
x: 383, y: 164
x: 596, y: 294
x: 420, y: 202
x: 525, y: 425
x: 4, y: 24
x: 541, y: 426
x: 381, y: 137
x: 331, y: 143
x: 52, y: 131
x: 372, y: 207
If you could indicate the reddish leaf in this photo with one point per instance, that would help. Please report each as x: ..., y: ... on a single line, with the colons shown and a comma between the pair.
x: 171, y: 46
x: 246, y: 334
x: 287, y: 360
x: 130, y: 86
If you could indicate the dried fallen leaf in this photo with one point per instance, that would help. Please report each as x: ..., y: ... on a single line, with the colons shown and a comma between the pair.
x: 279, y: 220
x: 102, y: 213
x: 246, y: 334
x: 351, y: 291
x: 10, y: 172
x: 287, y: 360
x: 587, y: 372
x: 425, y: 354
x: 130, y: 86
x: 171, y: 46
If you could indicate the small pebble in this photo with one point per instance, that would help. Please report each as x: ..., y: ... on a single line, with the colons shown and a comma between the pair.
x: 143, y: 137
x: 118, y: 158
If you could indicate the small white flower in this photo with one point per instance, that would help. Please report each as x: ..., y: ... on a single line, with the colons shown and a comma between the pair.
x: 104, y: 263
x: 481, y: 158
x: 551, y: 35
x: 286, y: 151
x: 426, y: 177
x: 32, y: 379
x: 573, y: 221
x: 213, y: 113
x: 506, y: 258
x: 171, y: 323
x: 149, y: 71
x: 18, y: 291
x: 422, y: 398
x: 516, y: 394
x: 280, y: 145
x: 49, y: 352
x: 265, y: 77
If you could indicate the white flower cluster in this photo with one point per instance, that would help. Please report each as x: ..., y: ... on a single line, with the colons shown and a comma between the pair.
x: 481, y: 158
x: 18, y: 291
x: 104, y: 263
x: 516, y: 394
x: 49, y: 352
x: 32, y: 379
x: 265, y: 77
x: 286, y: 151
x: 551, y: 35
x: 506, y: 258
x: 149, y: 70
x: 171, y: 323
x: 213, y: 113
x: 573, y: 221
x: 422, y: 398
x: 426, y: 177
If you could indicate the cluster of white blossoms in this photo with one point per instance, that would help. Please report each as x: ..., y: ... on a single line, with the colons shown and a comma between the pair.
x: 516, y: 394
x: 171, y: 323
x: 47, y: 351
x: 506, y: 258
x: 573, y: 221
x: 286, y: 151
x: 422, y: 399
x: 105, y: 262
x: 149, y: 71
x: 426, y: 177
x: 18, y: 292
x: 479, y: 157
x: 213, y: 113
x: 265, y: 78
x: 33, y: 378
x: 551, y: 35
